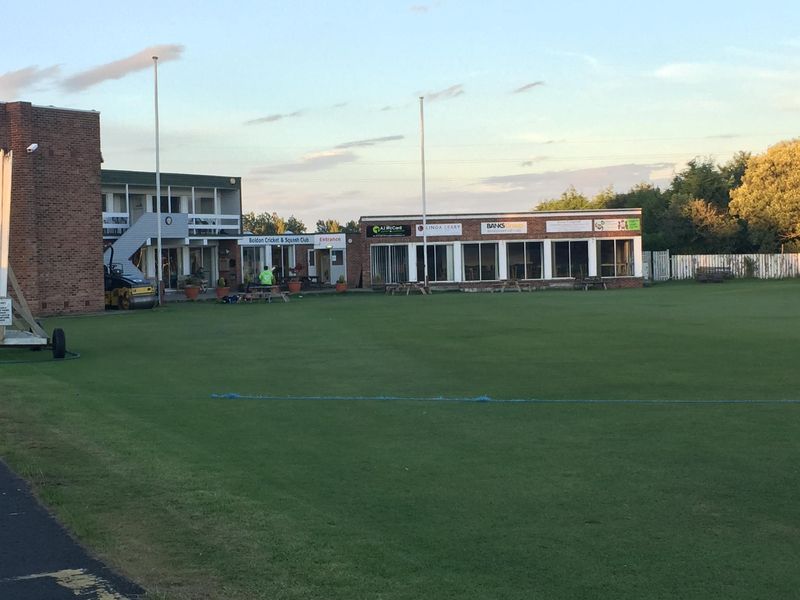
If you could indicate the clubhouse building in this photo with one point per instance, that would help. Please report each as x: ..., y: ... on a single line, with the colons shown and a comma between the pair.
x: 54, y: 222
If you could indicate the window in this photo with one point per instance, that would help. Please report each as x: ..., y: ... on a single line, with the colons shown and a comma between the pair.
x: 525, y: 260
x: 616, y: 258
x: 440, y: 262
x: 337, y: 258
x: 480, y: 261
x: 283, y: 260
x: 571, y: 259
x: 389, y: 264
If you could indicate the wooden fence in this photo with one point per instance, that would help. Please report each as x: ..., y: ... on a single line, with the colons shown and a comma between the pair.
x: 762, y: 266
x: 655, y: 265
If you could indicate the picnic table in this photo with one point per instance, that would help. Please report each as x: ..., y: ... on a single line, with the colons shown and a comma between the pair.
x: 712, y: 274
x: 266, y: 292
x: 408, y: 287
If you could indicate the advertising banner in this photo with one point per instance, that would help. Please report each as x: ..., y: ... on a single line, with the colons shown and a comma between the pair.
x: 5, y: 312
x: 440, y: 229
x: 332, y: 240
x: 617, y: 224
x: 501, y: 227
x: 569, y: 226
x: 388, y: 230
x: 275, y: 240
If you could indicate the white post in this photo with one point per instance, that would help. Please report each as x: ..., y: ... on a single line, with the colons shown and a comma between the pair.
x: 159, y: 266
x: 424, y: 200
x: 6, y: 161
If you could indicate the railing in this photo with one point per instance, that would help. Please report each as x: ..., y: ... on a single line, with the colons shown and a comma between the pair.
x: 211, y: 224
x: 115, y: 223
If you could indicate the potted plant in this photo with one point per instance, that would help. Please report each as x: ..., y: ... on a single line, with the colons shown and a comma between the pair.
x: 222, y: 289
x: 191, y: 286
x: 294, y: 278
x: 341, y: 284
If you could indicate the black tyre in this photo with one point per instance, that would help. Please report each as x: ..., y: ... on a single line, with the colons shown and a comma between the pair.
x: 124, y: 302
x: 59, y: 343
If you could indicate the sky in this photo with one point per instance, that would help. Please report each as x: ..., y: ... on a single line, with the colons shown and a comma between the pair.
x: 315, y: 105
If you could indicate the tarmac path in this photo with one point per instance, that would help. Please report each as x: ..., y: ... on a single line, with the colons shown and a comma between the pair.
x: 40, y: 561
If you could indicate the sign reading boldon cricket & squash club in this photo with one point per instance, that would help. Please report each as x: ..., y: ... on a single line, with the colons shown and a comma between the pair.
x: 434, y: 229
x: 504, y: 227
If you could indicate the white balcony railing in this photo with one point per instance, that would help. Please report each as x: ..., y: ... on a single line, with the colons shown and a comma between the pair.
x: 211, y: 224
x: 115, y: 223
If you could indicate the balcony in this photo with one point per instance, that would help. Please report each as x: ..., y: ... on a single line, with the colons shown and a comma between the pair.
x: 117, y: 223
x: 212, y: 224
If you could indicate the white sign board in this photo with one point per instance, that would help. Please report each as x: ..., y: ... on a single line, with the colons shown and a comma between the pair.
x: 617, y: 224
x: 434, y: 229
x: 568, y: 226
x: 275, y: 240
x: 332, y: 240
x: 504, y: 227
x: 5, y: 312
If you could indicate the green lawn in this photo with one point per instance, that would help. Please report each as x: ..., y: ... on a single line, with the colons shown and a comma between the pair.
x: 197, y: 497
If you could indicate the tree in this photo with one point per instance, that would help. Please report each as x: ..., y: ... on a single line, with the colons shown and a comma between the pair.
x: 271, y: 224
x: 574, y: 200
x: 733, y: 170
x: 769, y: 197
x: 701, y: 180
x: 328, y: 226
x: 351, y: 227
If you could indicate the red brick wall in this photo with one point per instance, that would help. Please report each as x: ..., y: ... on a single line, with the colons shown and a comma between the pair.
x: 56, y: 215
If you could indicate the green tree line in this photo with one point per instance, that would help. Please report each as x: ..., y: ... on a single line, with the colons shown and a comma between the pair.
x: 749, y: 204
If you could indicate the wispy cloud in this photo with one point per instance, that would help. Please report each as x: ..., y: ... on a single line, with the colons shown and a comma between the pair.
x: 528, y: 86
x: 120, y: 68
x: 13, y: 83
x: 685, y: 72
x: 316, y: 161
x: 590, y: 60
x: 419, y: 8
x: 274, y: 118
x: 370, y: 142
x: 446, y: 94
x: 534, y: 159
x: 339, y: 105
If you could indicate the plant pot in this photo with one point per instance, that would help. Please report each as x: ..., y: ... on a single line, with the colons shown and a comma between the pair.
x: 294, y: 287
x: 192, y: 291
x: 222, y: 292
x: 341, y: 287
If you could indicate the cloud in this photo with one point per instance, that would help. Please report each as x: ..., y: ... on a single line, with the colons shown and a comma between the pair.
x: 273, y: 118
x: 532, y: 160
x: 13, y: 83
x: 528, y: 86
x: 446, y: 94
x: 685, y: 72
x: 541, y: 186
x: 370, y: 142
x: 588, y: 59
x: 419, y: 8
x: 120, y: 68
x: 339, y: 105
x: 316, y: 161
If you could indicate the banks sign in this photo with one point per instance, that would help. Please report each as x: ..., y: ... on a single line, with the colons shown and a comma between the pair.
x: 504, y: 227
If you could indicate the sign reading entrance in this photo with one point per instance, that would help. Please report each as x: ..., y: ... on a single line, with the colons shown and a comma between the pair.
x: 388, y: 230
x: 5, y: 312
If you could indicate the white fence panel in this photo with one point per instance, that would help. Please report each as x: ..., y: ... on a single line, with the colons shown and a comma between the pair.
x: 655, y: 265
x: 762, y: 266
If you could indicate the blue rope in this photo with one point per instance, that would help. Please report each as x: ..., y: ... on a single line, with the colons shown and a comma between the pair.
x: 487, y: 399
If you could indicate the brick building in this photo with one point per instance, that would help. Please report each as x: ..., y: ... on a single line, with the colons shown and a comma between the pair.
x: 541, y: 248
x: 56, y: 237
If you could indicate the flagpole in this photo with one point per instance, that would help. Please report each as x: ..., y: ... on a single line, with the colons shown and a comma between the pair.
x: 424, y: 199
x: 160, y: 268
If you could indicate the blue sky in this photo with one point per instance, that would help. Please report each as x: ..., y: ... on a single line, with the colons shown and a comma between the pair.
x: 315, y: 104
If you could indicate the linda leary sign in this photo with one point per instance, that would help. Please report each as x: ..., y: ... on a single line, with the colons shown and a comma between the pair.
x: 439, y: 229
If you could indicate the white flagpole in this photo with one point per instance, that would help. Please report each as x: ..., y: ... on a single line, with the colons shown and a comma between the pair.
x: 158, y: 192
x: 424, y: 199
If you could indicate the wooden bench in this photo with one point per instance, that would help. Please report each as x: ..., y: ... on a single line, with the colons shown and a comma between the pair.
x: 267, y: 293
x: 592, y: 282
x: 712, y: 274
x: 411, y: 286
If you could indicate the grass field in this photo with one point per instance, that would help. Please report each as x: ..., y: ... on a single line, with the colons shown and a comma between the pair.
x: 202, y: 497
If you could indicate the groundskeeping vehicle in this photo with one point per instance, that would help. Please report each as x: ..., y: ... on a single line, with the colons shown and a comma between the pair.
x: 125, y: 292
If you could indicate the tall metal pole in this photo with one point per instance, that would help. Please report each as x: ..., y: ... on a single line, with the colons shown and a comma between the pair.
x: 424, y: 199
x: 158, y: 191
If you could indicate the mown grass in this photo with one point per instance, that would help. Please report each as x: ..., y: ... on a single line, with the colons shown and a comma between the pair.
x: 197, y: 497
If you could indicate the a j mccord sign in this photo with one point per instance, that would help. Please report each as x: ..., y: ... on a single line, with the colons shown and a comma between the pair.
x: 388, y: 230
